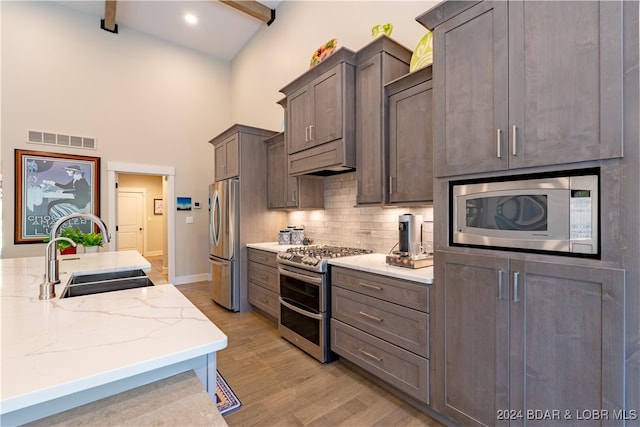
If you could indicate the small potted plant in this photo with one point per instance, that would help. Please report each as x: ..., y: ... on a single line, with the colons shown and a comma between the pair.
x: 73, y: 233
x: 91, y: 242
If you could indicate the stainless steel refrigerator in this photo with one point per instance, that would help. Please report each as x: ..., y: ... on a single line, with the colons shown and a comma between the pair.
x: 224, y: 238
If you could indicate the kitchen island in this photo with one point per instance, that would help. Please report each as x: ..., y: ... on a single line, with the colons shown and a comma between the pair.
x: 58, y: 354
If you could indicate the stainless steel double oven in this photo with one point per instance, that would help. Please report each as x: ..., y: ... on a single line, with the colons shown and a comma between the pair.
x: 305, y: 297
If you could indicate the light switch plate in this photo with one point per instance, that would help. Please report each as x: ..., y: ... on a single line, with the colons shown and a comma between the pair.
x: 189, y: 220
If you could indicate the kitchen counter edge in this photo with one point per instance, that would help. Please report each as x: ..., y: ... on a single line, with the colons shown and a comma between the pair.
x: 372, y: 263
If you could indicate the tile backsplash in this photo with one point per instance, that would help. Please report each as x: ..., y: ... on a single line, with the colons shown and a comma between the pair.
x: 341, y: 223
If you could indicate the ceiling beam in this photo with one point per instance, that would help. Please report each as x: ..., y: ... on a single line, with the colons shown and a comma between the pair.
x: 254, y: 9
x: 109, y: 21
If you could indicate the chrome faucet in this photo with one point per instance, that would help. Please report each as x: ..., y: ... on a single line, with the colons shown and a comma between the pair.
x: 52, y: 270
x: 47, y: 287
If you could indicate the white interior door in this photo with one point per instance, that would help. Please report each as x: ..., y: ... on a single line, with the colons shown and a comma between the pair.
x: 131, y: 220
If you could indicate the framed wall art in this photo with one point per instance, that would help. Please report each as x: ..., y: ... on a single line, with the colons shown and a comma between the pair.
x: 184, y: 203
x: 158, y: 206
x: 50, y: 186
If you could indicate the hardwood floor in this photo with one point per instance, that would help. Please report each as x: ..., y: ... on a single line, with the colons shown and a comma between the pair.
x: 155, y: 274
x: 280, y: 385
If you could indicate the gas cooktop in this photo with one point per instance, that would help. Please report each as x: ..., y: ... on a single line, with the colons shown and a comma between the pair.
x: 315, y: 257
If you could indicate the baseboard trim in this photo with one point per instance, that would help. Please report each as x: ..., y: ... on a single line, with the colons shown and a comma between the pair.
x: 190, y: 279
x: 153, y: 253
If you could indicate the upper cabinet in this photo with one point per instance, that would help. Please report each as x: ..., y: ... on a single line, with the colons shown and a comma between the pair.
x: 410, y: 138
x: 289, y: 192
x: 523, y: 84
x: 320, y: 116
x: 227, y: 164
x: 227, y: 149
x: 380, y: 62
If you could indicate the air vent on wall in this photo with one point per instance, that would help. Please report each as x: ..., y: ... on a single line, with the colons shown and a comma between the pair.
x: 48, y: 138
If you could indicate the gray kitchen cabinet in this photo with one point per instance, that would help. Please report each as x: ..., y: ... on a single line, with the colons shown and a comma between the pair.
x: 320, y: 116
x: 520, y: 334
x: 381, y: 324
x: 289, y: 192
x: 523, y: 84
x: 227, y: 163
x: 255, y: 221
x: 410, y: 115
x: 263, y: 285
x: 379, y: 62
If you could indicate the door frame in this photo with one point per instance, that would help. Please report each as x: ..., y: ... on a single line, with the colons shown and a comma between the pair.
x: 142, y: 191
x: 169, y: 172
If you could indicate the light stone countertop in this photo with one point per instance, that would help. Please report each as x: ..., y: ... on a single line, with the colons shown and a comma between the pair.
x: 58, y: 347
x: 372, y: 263
x: 271, y: 246
x: 375, y: 263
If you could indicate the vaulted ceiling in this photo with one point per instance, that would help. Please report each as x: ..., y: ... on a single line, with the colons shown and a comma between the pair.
x: 222, y: 28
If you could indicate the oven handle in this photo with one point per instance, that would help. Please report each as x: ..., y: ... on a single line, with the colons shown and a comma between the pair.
x: 299, y: 310
x: 304, y: 277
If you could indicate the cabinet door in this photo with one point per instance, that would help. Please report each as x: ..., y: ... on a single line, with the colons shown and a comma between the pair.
x: 276, y: 175
x: 369, y: 138
x: 292, y: 191
x: 567, y: 339
x: 327, y: 110
x: 565, y: 82
x: 299, y: 106
x: 227, y: 163
x: 233, y: 156
x: 220, y: 156
x: 471, y: 349
x: 411, y: 145
x: 470, y: 91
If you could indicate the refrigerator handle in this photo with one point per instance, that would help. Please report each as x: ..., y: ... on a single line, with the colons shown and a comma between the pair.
x: 210, y: 221
x: 215, y: 219
x: 233, y: 206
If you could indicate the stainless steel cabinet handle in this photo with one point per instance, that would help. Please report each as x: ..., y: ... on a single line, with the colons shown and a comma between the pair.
x: 306, y: 133
x: 369, y: 355
x: 500, y: 294
x: 514, y: 147
x: 516, y: 297
x: 498, y: 145
x: 311, y: 138
x: 390, y: 184
x: 299, y: 310
x: 304, y: 277
x: 369, y: 316
x: 366, y: 285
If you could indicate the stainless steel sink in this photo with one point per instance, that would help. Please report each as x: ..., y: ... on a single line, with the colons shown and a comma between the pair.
x: 105, y: 282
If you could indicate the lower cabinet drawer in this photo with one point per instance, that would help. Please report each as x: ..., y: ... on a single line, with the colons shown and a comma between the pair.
x: 399, y: 325
x: 400, y: 368
x: 262, y: 257
x: 264, y: 299
x: 402, y: 292
x: 267, y: 277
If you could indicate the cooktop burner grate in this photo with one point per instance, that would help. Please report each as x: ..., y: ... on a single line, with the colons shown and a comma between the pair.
x: 327, y: 251
x: 315, y: 257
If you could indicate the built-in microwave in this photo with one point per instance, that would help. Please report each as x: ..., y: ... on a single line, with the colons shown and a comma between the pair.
x: 550, y: 213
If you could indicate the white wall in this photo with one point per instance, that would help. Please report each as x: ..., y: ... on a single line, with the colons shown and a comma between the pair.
x: 277, y: 54
x: 144, y: 100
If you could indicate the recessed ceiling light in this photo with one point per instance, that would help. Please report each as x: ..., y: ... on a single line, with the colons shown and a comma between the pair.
x: 191, y: 18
